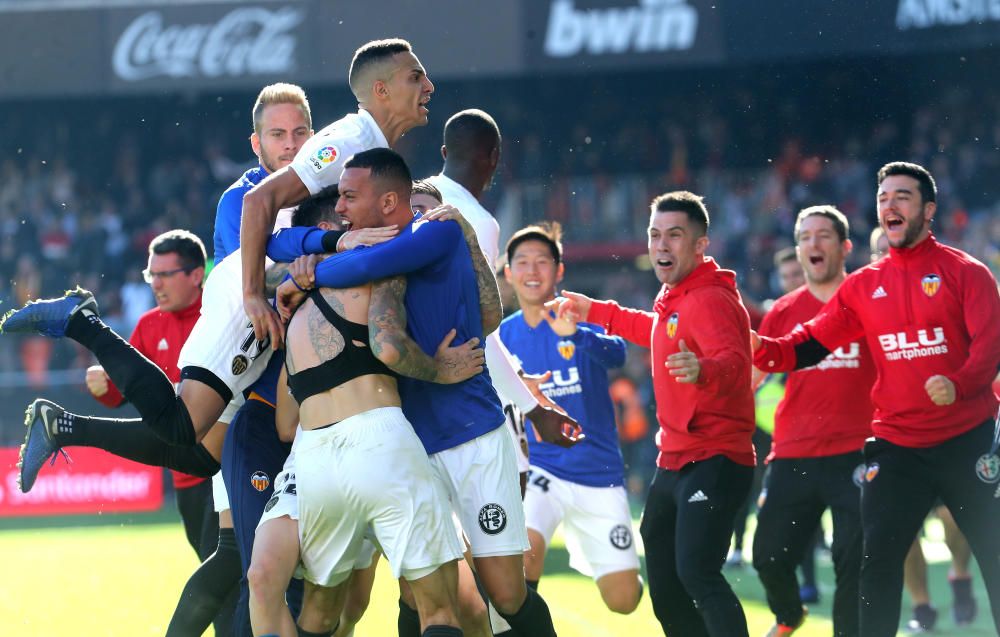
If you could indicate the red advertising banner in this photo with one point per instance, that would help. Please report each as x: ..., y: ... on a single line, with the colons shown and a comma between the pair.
x: 94, y: 482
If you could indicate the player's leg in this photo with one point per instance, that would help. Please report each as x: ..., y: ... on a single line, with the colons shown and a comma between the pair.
x: 963, y: 607
x: 543, y: 512
x: 194, y: 504
x: 481, y: 477
x: 436, y: 597
x: 321, y: 609
x: 272, y: 564
x: 672, y: 604
x: 704, y: 526
x: 969, y: 476
x: 786, y: 522
x: 598, y: 529
x: 359, y: 592
x: 895, y: 498
x: 253, y: 467
x: 211, y: 590
x: 841, y: 484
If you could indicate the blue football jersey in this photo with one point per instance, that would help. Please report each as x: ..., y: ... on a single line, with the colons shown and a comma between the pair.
x: 229, y: 212
x: 441, y: 294
x: 579, y: 384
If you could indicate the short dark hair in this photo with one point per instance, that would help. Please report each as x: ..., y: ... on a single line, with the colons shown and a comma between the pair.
x: 469, y: 133
x: 319, y: 207
x: 785, y: 255
x: 423, y: 187
x: 687, y: 202
x: 928, y: 189
x: 548, y: 232
x: 188, y: 247
x: 372, y: 53
x: 388, y: 167
x: 836, y: 217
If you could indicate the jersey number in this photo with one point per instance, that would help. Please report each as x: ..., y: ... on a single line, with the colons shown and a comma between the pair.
x: 539, y: 481
x: 515, y: 419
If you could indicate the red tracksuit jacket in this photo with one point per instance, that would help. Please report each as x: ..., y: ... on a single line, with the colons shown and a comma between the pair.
x: 715, y: 415
x: 826, y: 410
x: 159, y: 336
x: 923, y: 311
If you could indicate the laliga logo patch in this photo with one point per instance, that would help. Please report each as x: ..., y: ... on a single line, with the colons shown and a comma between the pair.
x: 492, y: 519
x: 672, y: 324
x: 621, y: 537
x: 566, y: 349
x: 259, y: 480
x: 324, y: 157
x: 988, y: 468
x: 871, y: 472
x: 239, y: 365
x: 930, y: 284
x: 859, y: 474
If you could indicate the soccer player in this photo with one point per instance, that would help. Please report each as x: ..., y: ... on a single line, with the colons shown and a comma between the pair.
x: 458, y: 424
x: 581, y: 487
x: 928, y: 313
x: 393, y: 90
x: 820, y: 427
x: 699, y: 333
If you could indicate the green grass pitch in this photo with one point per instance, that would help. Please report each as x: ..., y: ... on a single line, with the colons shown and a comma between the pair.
x: 124, y: 579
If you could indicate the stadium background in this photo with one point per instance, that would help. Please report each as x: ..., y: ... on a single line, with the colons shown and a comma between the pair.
x: 125, y: 118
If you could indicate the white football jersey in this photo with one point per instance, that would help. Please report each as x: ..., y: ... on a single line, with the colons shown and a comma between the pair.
x: 320, y: 161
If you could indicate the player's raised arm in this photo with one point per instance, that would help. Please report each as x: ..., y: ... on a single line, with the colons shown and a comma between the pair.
x: 260, y: 208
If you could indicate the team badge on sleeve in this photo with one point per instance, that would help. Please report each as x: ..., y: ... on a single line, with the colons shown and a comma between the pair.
x: 988, y: 468
x: 323, y: 157
x: 259, y: 480
x: 672, y: 324
x: 566, y: 349
x: 930, y: 284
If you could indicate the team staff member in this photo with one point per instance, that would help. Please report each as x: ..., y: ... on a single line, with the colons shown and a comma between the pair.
x: 928, y: 313
x: 699, y: 332
x: 820, y: 426
x: 175, y: 272
x: 581, y: 487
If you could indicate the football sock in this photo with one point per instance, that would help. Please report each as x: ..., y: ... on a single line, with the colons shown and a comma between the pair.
x: 533, y: 618
x: 408, y: 622
x: 208, y: 589
x: 141, y: 382
x: 128, y: 438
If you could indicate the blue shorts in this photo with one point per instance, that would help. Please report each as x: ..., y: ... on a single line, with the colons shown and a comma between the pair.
x: 252, y: 456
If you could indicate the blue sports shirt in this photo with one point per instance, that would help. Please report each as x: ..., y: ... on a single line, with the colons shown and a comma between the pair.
x: 229, y: 212
x: 579, y: 384
x: 441, y: 294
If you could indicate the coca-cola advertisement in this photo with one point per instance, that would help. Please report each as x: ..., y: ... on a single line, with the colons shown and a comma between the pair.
x: 241, y: 41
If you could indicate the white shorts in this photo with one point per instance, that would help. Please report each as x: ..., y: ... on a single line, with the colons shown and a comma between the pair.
x: 222, y: 341
x: 518, y: 435
x: 370, y: 469
x: 598, y: 524
x: 219, y: 494
x: 482, y: 482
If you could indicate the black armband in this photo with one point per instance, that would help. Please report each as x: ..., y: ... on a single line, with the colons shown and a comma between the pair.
x: 330, y: 240
x: 810, y: 352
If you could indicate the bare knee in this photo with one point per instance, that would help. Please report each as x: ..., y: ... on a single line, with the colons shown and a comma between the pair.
x: 621, y: 591
x: 472, y: 612
x: 264, y: 579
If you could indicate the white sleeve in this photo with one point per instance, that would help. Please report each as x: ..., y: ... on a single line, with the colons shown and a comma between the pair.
x: 320, y: 161
x: 503, y: 371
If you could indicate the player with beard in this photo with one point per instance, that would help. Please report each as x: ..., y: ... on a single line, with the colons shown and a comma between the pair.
x: 820, y: 426
x: 928, y: 314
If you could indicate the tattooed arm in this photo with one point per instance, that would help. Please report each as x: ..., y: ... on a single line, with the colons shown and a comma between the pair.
x: 490, y: 306
x: 273, y: 277
x: 393, y: 346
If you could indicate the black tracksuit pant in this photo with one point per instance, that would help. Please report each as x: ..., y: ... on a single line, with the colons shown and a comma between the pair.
x: 798, y: 492
x: 686, y: 528
x: 903, y: 483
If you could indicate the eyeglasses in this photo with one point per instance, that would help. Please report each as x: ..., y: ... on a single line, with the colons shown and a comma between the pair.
x: 148, y: 275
